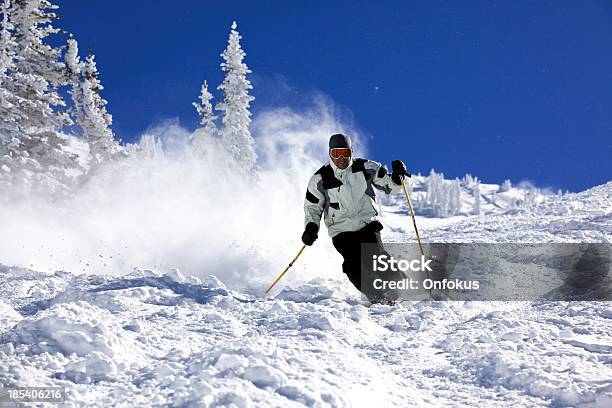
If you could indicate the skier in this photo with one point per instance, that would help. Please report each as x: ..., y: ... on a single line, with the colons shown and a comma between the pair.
x: 343, y: 189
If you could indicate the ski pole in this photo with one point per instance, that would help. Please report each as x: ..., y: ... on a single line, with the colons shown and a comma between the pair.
x: 286, y: 269
x: 416, y: 230
x: 413, y: 219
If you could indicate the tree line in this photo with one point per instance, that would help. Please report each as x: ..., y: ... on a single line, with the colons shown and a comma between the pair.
x: 49, y: 94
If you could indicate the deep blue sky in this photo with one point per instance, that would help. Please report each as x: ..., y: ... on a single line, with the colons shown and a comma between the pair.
x: 501, y: 89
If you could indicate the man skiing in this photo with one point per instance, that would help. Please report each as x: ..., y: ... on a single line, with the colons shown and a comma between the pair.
x: 343, y: 190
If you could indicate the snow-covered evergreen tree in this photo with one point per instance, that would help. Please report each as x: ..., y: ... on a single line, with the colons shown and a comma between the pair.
x: 455, y: 197
x: 73, y: 61
x: 236, y: 101
x: 443, y: 197
x: 530, y: 196
x: 36, y: 74
x: 205, y: 108
x: 470, y: 181
x: 96, y: 121
x: 506, y: 186
x: 204, y: 135
x: 435, y: 193
x: 91, y: 114
x: 38, y: 66
x: 476, y: 195
x: 10, y: 115
x: 150, y: 147
x: 7, y: 43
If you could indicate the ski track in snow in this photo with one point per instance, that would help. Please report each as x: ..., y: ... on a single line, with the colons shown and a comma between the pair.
x: 159, y: 339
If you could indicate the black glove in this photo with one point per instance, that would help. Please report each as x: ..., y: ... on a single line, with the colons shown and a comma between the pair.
x: 399, y: 171
x: 311, y: 233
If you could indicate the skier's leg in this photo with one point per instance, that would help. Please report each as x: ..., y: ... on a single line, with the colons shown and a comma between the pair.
x: 348, y: 246
x: 370, y: 235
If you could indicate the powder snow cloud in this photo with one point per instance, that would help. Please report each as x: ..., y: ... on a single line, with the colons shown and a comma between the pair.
x: 166, y: 208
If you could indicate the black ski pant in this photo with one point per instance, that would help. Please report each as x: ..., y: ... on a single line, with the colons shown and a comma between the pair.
x: 358, y: 260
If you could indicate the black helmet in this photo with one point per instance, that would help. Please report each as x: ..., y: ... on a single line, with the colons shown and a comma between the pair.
x: 339, y: 141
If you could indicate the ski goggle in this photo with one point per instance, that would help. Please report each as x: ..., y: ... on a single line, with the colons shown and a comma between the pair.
x: 340, y: 152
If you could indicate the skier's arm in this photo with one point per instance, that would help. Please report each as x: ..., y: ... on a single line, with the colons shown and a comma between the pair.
x: 381, y: 178
x: 314, y: 202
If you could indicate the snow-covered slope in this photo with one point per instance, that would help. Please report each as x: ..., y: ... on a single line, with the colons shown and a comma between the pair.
x: 159, y: 339
x: 150, y: 339
x: 436, y: 208
x: 579, y: 217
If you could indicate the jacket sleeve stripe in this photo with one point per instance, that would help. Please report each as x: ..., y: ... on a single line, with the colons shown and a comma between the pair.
x: 311, y: 197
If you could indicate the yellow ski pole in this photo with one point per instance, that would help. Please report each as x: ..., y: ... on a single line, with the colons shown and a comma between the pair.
x: 416, y: 230
x: 286, y: 269
x: 413, y: 219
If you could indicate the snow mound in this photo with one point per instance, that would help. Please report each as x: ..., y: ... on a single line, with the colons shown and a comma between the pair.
x: 79, y: 330
x: 8, y: 316
x: 159, y: 339
x: 545, y: 358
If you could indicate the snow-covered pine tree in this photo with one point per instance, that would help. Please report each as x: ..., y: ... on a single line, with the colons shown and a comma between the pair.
x: 455, y: 197
x: 90, y: 107
x: 204, y: 107
x: 72, y: 61
x: 7, y: 43
x: 149, y: 147
x: 37, y: 73
x: 236, y: 101
x: 476, y: 195
x: 96, y: 121
x: 202, y: 136
x: 439, y: 195
x: 433, y: 186
x: 530, y: 196
x: 443, y: 197
x: 470, y: 181
x: 10, y: 115
x: 506, y: 186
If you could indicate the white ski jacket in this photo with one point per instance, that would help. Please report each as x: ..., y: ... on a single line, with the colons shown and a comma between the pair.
x: 346, y: 197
